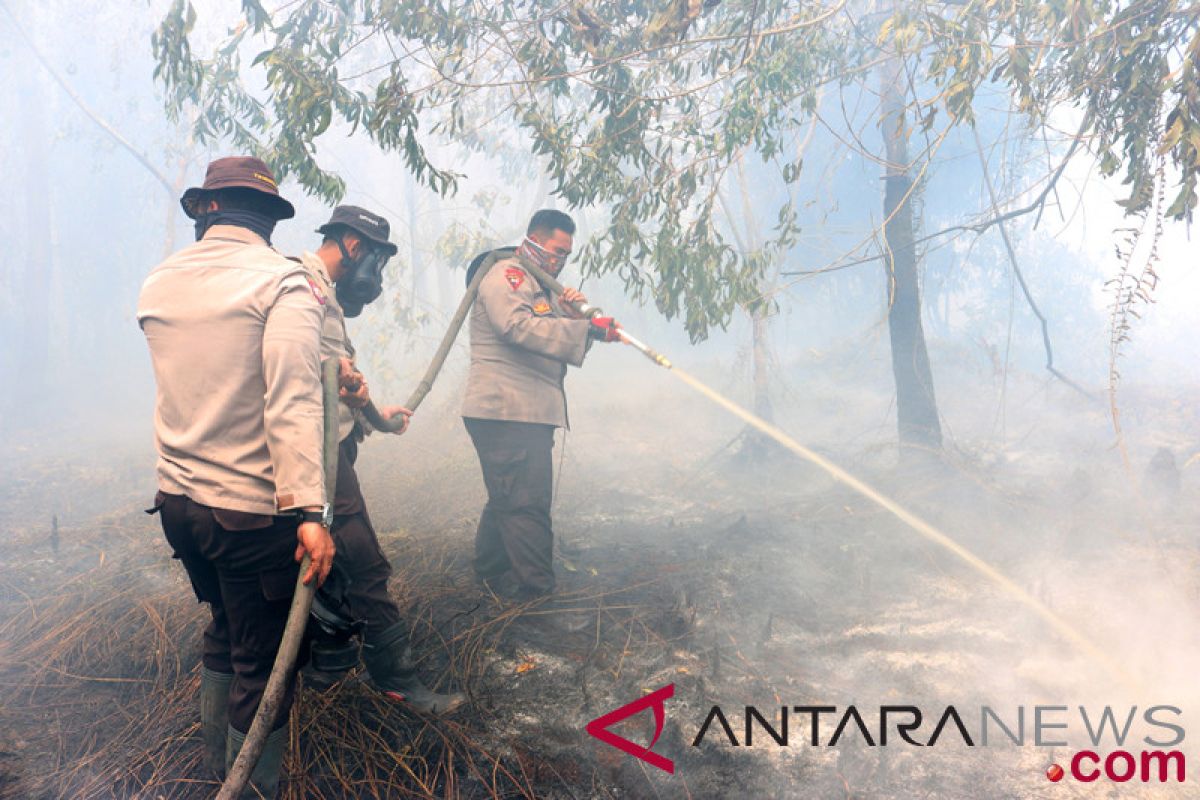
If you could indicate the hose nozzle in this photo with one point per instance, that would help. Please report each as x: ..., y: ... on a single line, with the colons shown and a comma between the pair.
x: 646, y: 350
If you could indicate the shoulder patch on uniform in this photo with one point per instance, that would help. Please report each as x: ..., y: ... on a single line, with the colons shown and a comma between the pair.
x: 541, y: 307
x: 316, y: 290
x: 515, y: 277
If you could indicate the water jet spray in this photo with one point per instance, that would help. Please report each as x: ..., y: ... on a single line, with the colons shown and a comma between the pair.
x: 927, y: 530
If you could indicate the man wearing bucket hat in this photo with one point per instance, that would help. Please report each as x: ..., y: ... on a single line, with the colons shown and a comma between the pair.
x: 238, y: 191
x: 349, y: 266
x: 234, y: 332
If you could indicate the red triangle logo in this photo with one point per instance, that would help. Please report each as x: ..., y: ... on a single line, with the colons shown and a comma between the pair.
x: 599, y: 727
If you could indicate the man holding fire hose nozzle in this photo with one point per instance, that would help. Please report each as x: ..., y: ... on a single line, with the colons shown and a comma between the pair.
x: 348, y: 266
x: 522, y: 340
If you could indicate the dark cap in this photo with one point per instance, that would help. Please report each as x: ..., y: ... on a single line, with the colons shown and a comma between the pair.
x: 369, y: 226
x: 236, y: 172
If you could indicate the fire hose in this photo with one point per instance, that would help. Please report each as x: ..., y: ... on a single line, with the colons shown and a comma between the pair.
x: 303, y: 599
x: 293, y: 633
x: 1069, y: 632
x: 1065, y: 629
x: 297, y: 621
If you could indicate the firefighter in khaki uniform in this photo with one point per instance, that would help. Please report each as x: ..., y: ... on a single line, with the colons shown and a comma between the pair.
x: 349, y: 267
x: 521, y: 344
x: 234, y: 331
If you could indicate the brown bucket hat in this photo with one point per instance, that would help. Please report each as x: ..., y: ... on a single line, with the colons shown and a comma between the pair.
x: 236, y: 172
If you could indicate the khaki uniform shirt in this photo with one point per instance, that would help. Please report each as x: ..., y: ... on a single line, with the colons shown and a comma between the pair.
x: 335, y: 342
x: 520, y: 348
x: 234, y: 334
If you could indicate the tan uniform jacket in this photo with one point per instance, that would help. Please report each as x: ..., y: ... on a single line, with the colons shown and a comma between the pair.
x: 335, y: 342
x: 520, y: 348
x: 234, y: 333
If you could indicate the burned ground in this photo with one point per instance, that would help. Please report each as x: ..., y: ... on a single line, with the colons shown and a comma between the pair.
x: 761, y: 584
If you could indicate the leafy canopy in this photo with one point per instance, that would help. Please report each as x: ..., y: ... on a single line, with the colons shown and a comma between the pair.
x: 641, y: 108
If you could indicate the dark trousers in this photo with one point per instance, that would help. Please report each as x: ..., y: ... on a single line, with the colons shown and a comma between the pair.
x: 514, y: 530
x: 247, y: 577
x: 358, y: 552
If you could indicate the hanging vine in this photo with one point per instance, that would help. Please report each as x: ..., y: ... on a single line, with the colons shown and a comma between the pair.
x: 1133, y: 288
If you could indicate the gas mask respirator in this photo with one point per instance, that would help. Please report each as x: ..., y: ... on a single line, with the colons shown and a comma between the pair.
x: 362, y: 280
x: 332, y: 627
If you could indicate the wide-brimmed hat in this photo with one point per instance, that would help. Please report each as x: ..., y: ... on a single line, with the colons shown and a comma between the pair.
x: 365, y: 223
x: 237, y: 172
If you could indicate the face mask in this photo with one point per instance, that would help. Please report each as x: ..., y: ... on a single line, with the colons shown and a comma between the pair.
x: 550, y: 262
x: 362, y: 280
x: 251, y: 220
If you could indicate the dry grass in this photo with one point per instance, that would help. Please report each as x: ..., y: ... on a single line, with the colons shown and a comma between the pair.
x: 98, y: 683
x: 769, y: 586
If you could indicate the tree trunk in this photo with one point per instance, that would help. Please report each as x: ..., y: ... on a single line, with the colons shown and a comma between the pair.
x: 448, y: 288
x: 760, y: 361
x: 416, y: 259
x: 761, y: 364
x: 916, y: 405
x: 171, y: 208
x: 33, y: 337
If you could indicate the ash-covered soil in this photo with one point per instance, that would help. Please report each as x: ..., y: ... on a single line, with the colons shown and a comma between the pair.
x: 740, y: 582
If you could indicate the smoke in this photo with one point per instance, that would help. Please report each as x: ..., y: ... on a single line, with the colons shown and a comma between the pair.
x: 745, y: 576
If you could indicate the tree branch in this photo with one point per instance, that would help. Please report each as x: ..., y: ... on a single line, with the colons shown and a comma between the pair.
x: 979, y: 227
x: 1012, y: 258
x: 84, y: 107
x: 1038, y: 202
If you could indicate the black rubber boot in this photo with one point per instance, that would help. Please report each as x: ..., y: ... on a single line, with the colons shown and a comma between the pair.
x: 390, y: 665
x: 214, y: 717
x: 264, y: 780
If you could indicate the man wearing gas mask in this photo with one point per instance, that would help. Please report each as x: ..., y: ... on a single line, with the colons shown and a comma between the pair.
x: 522, y: 340
x: 355, y: 601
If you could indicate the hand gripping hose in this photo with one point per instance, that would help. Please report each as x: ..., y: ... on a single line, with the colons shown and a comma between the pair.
x: 439, y: 357
x: 297, y: 621
x: 590, y: 311
x: 460, y: 315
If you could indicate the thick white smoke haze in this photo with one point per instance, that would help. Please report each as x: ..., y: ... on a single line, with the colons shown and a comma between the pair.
x: 794, y: 589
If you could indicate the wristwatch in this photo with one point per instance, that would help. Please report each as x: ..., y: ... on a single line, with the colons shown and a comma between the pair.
x: 322, y: 517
